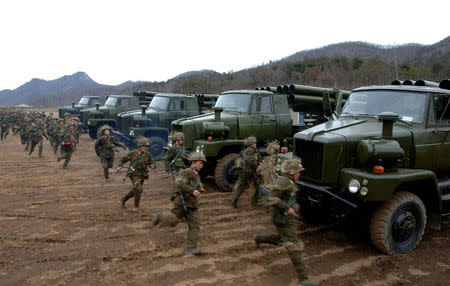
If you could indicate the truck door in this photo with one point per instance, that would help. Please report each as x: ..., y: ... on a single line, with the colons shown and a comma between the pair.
x: 177, y: 109
x: 442, y: 131
x: 264, y: 117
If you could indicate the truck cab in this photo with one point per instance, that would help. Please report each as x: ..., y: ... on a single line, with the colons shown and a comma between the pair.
x: 107, y: 114
x: 85, y: 102
x: 384, y: 157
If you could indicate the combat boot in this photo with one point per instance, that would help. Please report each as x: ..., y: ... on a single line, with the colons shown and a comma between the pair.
x: 257, y: 239
x: 234, y: 203
x: 309, y: 283
x: 194, y: 251
x: 155, y: 220
x: 122, y: 203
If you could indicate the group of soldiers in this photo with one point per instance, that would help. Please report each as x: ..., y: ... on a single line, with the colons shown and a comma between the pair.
x: 273, y: 177
x: 33, y: 127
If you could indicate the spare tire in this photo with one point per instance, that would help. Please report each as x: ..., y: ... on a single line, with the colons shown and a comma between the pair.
x: 226, y: 174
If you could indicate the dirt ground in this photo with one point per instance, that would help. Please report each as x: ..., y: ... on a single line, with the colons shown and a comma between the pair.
x: 65, y: 227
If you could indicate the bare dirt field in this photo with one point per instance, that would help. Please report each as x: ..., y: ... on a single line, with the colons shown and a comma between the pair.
x: 65, y: 227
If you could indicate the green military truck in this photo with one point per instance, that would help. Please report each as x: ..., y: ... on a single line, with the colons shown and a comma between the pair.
x: 384, y: 157
x: 154, y: 122
x: 242, y: 113
x: 96, y: 117
x: 85, y: 102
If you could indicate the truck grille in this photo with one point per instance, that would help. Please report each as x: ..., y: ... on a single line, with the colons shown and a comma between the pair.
x: 311, y: 154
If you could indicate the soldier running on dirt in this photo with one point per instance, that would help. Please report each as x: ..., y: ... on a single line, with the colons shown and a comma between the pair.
x: 188, y: 188
x: 36, y: 136
x: 138, y: 172
x: 282, y: 198
x: 175, y: 156
x: 105, y: 147
x: 251, y: 160
x: 67, y: 145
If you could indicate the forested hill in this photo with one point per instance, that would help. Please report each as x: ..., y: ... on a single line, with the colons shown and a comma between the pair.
x: 347, y: 65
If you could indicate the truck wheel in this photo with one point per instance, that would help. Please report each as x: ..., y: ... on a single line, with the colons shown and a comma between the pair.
x: 398, y: 224
x: 225, y: 173
x: 157, y: 147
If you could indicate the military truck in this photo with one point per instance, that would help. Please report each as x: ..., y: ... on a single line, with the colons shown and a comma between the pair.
x: 154, y: 122
x: 384, y: 158
x: 242, y: 113
x: 96, y: 117
x: 85, y: 102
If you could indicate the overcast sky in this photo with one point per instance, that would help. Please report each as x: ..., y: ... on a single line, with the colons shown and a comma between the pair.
x: 115, y: 41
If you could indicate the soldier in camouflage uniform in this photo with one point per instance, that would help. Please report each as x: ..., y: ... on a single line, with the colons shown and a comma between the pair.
x: 105, y: 147
x: 4, y: 122
x: 36, y: 134
x: 67, y: 145
x: 175, y: 156
x: 282, y: 198
x: 140, y: 160
x: 188, y: 188
x: 58, y: 135
x: 269, y: 167
x: 251, y: 161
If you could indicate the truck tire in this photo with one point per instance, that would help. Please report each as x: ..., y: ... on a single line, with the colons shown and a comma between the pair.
x: 156, y: 147
x: 225, y: 173
x: 398, y: 224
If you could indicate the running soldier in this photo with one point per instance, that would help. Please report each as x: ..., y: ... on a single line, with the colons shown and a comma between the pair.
x: 251, y: 161
x: 105, y: 147
x: 67, y: 145
x: 188, y: 188
x: 175, y: 156
x: 282, y: 198
x: 4, y: 122
x: 36, y: 136
x: 138, y: 172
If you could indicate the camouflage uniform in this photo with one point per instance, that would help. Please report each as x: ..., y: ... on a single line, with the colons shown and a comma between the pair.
x: 67, y: 146
x: 248, y: 174
x: 141, y: 161
x: 282, y: 198
x: 4, y: 122
x: 187, y: 181
x: 36, y: 134
x: 104, y: 147
x: 269, y: 167
x: 175, y: 157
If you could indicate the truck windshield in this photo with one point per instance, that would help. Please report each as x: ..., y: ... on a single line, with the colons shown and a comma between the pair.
x: 159, y: 103
x: 84, y: 101
x: 111, y: 101
x: 410, y: 106
x: 234, y: 102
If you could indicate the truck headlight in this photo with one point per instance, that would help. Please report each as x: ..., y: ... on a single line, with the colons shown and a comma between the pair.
x: 132, y: 133
x: 353, y: 186
x: 199, y: 148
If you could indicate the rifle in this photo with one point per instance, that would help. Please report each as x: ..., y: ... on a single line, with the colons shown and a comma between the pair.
x: 266, y: 192
x: 183, y: 201
x: 132, y: 169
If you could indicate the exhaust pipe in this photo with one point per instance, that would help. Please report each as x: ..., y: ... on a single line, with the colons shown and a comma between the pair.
x: 97, y: 106
x: 217, y: 111
x: 73, y: 104
x: 388, y: 119
x: 143, y: 108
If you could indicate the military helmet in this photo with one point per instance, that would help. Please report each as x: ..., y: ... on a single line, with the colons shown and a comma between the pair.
x: 197, y: 156
x: 168, y: 218
x: 292, y: 166
x: 273, y: 147
x: 105, y: 127
x: 142, y: 141
x: 178, y: 136
x: 250, y: 140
